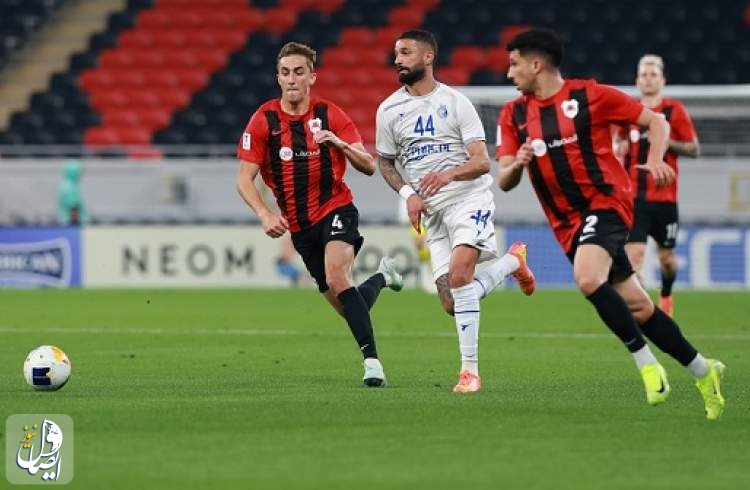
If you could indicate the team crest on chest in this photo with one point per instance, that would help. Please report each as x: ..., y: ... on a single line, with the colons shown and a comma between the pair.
x: 315, y: 125
x: 442, y: 111
x: 570, y: 108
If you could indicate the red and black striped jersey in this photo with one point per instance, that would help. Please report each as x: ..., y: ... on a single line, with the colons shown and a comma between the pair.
x: 307, y: 179
x: 681, y: 129
x: 574, y: 170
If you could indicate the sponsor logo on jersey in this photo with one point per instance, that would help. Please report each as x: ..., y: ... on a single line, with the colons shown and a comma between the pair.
x: 418, y: 152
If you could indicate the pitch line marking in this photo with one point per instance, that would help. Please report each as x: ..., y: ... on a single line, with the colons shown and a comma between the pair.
x: 240, y: 332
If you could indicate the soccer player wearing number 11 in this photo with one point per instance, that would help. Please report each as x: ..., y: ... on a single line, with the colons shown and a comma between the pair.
x: 435, y: 134
x: 559, y: 130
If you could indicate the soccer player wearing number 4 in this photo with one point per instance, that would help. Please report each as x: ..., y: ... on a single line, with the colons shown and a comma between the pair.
x: 300, y: 146
x: 559, y: 130
x: 436, y: 135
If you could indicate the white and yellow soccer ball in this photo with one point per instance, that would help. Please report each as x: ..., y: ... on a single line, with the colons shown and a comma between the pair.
x: 47, y: 368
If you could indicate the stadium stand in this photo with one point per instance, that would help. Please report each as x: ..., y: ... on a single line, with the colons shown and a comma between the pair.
x: 19, y: 21
x: 179, y: 73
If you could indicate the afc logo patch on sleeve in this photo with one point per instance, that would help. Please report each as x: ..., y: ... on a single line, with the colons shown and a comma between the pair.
x: 245, y: 141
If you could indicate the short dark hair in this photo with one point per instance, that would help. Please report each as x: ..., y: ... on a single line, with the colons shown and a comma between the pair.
x: 541, y: 41
x: 421, y: 36
x: 292, y: 48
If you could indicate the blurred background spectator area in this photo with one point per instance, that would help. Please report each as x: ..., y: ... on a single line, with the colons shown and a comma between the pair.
x: 148, y: 78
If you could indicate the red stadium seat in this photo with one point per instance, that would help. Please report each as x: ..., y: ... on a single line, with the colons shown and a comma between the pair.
x: 191, y: 79
x: 100, y: 136
x: 120, y: 117
x: 453, y: 76
x: 132, y: 136
x: 154, y: 19
x: 496, y: 59
x: 140, y: 98
x: 341, y: 56
x: 108, y: 99
x: 154, y: 119
x: 385, y: 38
x: 160, y: 78
x: 280, y: 20
x: 117, y: 59
x: 138, y: 39
x: 93, y: 80
x: 173, y: 99
x: 187, y: 18
x: 357, y: 37
x: 250, y: 20
x: 469, y: 57
x: 406, y: 16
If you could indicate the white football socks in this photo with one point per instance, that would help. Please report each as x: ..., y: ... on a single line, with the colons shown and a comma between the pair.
x: 644, y: 356
x: 494, y: 275
x: 466, y: 311
x: 698, y: 367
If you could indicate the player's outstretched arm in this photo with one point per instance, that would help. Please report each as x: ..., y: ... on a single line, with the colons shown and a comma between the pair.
x: 273, y: 225
x: 477, y: 165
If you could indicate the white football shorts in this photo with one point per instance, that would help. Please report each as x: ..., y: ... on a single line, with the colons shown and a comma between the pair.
x: 468, y: 222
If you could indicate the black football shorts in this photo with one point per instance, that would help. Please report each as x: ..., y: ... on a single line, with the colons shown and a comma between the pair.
x: 604, y: 227
x: 655, y: 219
x: 341, y: 224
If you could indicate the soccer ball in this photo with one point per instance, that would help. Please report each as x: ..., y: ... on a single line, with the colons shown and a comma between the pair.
x: 47, y: 368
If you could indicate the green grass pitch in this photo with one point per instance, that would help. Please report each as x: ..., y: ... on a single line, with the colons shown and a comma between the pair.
x: 258, y: 389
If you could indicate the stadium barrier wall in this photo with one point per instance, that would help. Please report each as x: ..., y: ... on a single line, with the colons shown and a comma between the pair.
x: 711, y: 257
x: 194, y: 190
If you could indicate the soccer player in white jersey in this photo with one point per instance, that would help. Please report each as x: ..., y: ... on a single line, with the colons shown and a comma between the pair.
x: 435, y: 135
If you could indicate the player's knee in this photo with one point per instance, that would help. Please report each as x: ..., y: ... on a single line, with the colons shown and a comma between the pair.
x: 588, y: 283
x: 338, y: 281
x: 460, y: 278
x: 668, y: 261
x: 642, y: 309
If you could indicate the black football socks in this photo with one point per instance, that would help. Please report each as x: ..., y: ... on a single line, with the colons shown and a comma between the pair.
x: 370, y: 289
x: 615, y: 313
x: 357, y: 316
x: 666, y: 335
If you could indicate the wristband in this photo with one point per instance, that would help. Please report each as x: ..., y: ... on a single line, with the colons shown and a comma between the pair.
x: 406, y: 192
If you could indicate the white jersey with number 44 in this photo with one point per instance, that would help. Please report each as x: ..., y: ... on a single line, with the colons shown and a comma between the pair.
x: 429, y: 133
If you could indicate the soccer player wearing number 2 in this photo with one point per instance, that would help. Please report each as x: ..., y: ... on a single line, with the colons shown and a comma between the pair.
x: 435, y: 134
x: 559, y: 130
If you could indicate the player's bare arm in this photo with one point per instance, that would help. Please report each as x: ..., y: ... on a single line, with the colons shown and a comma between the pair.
x: 390, y: 174
x: 354, y: 152
x: 685, y: 148
x: 273, y: 225
x: 658, y: 131
x: 477, y: 165
x: 511, y: 167
x: 415, y: 206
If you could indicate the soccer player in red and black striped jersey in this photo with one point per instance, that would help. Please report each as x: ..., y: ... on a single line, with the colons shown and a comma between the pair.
x: 300, y: 145
x: 559, y: 130
x: 656, y: 212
